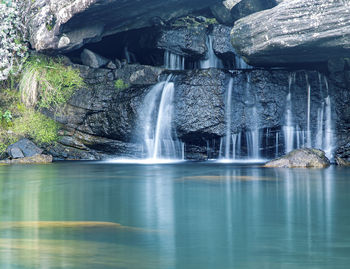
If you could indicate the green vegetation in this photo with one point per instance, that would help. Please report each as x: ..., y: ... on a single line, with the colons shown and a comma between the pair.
x: 121, y: 85
x: 17, y: 121
x: 193, y: 22
x: 35, y: 125
x: 47, y: 83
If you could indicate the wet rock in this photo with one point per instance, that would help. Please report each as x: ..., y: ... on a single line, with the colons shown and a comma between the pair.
x: 35, y: 159
x: 25, y: 146
x: 111, y: 65
x: 66, y: 25
x: 294, y: 33
x: 135, y: 74
x: 342, y: 162
x: 221, y: 42
x: 301, y: 158
x: 92, y: 59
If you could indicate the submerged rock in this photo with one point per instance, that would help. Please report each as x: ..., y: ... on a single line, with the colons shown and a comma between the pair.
x: 294, y: 32
x: 36, y: 159
x: 301, y: 158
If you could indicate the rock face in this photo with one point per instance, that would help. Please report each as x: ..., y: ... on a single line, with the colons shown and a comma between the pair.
x: 101, y: 121
x: 301, y: 158
x: 293, y: 33
x: 69, y: 24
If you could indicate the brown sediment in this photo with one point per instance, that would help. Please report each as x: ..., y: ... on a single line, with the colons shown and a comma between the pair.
x: 67, y: 224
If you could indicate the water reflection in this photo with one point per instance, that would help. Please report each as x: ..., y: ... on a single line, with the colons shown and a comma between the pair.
x: 173, y: 216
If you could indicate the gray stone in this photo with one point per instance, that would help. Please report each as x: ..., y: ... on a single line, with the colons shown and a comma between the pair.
x: 135, y: 74
x: 301, y: 158
x: 221, y: 42
x: 294, y: 32
x: 15, y: 153
x: 111, y: 65
x: 185, y: 41
x: 27, y: 147
x: 92, y: 59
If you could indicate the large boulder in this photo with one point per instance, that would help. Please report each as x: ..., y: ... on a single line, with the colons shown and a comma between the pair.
x: 69, y: 24
x: 301, y: 158
x: 23, y: 148
x: 294, y: 32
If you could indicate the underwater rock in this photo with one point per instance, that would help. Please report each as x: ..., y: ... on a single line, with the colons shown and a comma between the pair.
x: 294, y: 32
x: 301, y: 158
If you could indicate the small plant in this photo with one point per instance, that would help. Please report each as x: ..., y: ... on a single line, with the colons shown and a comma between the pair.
x: 47, y: 83
x: 121, y: 85
x: 211, y: 21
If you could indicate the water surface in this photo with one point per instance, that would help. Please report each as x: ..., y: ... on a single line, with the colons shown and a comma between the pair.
x: 184, y: 215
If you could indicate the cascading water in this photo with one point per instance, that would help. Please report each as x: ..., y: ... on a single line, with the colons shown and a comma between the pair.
x: 288, y: 128
x: 211, y: 61
x: 240, y: 63
x: 173, y: 61
x: 322, y: 136
x: 231, y: 144
x: 159, y: 138
x: 228, y: 119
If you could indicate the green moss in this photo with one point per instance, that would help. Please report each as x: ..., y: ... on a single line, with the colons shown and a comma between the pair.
x: 121, y: 85
x: 36, y: 126
x: 211, y: 21
x: 47, y: 83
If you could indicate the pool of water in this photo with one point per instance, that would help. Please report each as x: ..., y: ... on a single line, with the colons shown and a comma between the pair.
x: 184, y: 215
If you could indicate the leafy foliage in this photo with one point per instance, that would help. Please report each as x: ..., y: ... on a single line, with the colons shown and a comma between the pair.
x: 47, y: 83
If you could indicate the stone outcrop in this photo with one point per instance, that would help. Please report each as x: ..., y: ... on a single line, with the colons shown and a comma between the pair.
x: 293, y: 33
x: 301, y: 158
x: 62, y: 26
x: 92, y: 59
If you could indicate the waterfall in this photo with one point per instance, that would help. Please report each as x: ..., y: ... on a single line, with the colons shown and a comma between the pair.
x: 211, y: 60
x: 288, y: 128
x: 308, y: 131
x: 240, y: 63
x: 129, y: 56
x: 173, y: 61
x: 159, y: 137
x: 322, y: 136
x: 253, y: 136
x: 228, y: 119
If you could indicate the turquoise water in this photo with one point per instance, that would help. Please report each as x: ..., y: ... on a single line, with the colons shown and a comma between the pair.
x: 186, y: 215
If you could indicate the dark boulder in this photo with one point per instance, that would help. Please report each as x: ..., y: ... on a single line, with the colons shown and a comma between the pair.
x: 294, y: 33
x: 301, y: 158
x: 24, y: 146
